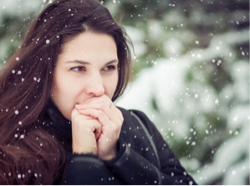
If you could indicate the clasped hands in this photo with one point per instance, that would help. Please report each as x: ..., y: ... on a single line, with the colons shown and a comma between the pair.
x: 96, y: 127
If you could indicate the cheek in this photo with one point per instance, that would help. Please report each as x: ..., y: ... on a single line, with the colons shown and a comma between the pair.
x: 64, y: 100
x: 66, y: 90
x: 63, y: 84
x: 111, y: 85
x: 63, y: 94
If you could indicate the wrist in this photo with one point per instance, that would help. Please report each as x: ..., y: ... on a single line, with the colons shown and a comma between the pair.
x: 121, y: 150
x: 111, y: 155
x: 77, y: 149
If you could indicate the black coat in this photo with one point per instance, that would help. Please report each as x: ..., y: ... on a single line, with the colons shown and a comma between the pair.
x: 137, y: 161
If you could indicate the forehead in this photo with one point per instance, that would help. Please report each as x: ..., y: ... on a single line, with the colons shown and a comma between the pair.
x: 89, y: 39
x: 89, y: 46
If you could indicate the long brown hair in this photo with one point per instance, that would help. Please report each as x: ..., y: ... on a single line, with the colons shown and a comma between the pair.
x: 29, y: 154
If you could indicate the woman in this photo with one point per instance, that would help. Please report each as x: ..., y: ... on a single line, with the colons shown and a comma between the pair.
x: 59, y: 123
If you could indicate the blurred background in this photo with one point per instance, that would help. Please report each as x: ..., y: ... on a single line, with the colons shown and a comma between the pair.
x: 190, y: 76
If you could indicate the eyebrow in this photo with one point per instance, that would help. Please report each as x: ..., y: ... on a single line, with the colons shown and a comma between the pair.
x: 87, y: 63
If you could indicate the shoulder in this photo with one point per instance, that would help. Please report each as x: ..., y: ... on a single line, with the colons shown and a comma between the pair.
x: 130, y: 113
x: 132, y: 116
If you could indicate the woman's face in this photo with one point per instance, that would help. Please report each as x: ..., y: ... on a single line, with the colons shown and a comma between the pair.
x: 86, y: 67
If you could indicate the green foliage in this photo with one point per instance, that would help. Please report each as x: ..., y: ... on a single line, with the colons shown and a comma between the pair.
x: 171, y: 29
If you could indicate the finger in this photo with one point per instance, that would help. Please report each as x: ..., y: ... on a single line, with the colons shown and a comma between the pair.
x: 110, y: 130
x: 75, y: 113
x: 110, y: 110
x: 98, y: 131
x: 98, y: 106
x: 103, y: 98
x: 85, y: 133
x: 98, y: 114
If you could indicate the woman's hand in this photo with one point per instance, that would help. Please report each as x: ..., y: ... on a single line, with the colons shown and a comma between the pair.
x: 104, y: 111
x: 85, y: 132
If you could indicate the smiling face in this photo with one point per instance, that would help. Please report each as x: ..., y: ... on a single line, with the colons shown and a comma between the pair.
x: 86, y: 67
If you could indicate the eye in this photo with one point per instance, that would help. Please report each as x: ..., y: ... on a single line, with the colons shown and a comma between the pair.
x: 78, y: 69
x: 109, y: 68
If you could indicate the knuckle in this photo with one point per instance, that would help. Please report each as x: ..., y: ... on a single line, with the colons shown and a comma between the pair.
x: 73, y: 112
x: 100, y: 113
x: 102, y: 105
x: 121, y: 118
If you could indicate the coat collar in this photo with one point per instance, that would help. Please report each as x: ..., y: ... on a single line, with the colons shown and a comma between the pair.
x: 58, y: 124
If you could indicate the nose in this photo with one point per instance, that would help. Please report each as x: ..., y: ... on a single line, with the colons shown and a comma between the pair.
x: 95, y: 87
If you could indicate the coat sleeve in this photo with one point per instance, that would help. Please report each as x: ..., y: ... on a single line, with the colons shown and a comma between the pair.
x: 133, y: 168
x: 87, y: 170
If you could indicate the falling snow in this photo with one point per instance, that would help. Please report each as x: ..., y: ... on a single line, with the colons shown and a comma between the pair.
x: 177, y: 92
x: 166, y: 81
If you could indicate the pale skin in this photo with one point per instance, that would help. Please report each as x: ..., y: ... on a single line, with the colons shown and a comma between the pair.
x: 85, y: 79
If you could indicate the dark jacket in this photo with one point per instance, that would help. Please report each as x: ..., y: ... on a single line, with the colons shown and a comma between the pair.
x: 143, y: 156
